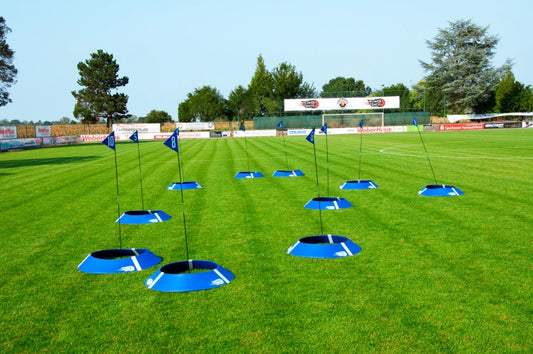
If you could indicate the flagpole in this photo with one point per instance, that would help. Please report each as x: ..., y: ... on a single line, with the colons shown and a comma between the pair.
x: 425, y: 150
x: 311, y: 139
x: 182, y: 199
x: 118, y: 201
x: 246, y: 147
x: 360, y: 153
x: 324, y: 129
x: 140, y: 174
x: 285, y: 147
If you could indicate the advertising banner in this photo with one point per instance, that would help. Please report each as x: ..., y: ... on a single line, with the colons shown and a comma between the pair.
x: 128, y: 129
x: 43, y: 131
x: 463, y: 126
x: 8, y: 132
x: 351, y: 103
x: 196, y: 126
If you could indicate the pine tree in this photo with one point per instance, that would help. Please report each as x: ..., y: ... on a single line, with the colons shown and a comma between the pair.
x: 99, y: 76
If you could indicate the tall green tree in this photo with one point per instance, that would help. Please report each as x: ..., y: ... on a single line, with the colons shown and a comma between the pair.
x: 399, y: 90
x: 512, y: 96
x: 99, y: 78
x: 345, y: 87
x: 205, y: 104
x: 155, y: 116
x: 460, y: 72
x: 8, y: 72
x: 242, y: 104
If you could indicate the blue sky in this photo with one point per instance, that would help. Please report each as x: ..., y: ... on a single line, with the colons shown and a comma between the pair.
x: 168, y: 48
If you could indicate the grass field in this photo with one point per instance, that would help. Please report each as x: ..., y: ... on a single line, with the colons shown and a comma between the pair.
x: 434, y: 275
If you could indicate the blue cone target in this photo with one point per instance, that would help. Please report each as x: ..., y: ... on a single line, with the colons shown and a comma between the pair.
x: 175, y: 277
x: 249, y: 174
x: 288, y: 173
x: 324, y: 246
x: 440, y: 190
x: 359, y: 184
x: 328, y: 203
x: 184, y: 185
x: 122, y: 260
x: 143, y: 217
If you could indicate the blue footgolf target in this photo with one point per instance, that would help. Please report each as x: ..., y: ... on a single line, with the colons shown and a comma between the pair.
x: 359, y: 184
x: 328, y: 203
x: 184, y: 185
x: 249, y: 174
x: 143, y: 217
x: 177, y: 277
x: 123, y: 260
x: 288, y: 173
x: 324, y: 246
x: 440, y: 190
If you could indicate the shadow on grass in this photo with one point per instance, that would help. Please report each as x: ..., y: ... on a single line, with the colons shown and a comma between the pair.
x: 46, y: 161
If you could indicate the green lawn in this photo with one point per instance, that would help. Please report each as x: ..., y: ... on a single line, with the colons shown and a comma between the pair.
x: 435, y: 274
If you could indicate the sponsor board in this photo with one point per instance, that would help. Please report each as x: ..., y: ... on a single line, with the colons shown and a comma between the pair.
x: 332, y: 104
x: 254, y: 133
x: 42, y: 131
x: 128, y: 129
x: 355, y: 130
x: 9, y: 132
x: 195, y: 126
x: 463, y: 126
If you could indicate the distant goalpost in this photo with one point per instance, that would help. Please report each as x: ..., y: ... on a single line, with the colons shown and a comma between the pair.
x: 346, y: 120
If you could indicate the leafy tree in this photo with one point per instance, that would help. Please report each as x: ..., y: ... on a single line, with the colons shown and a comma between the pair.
x: 205, y: 104
x: 261, y: 84
x: 99, y: 77
x: 64, y: 120
x: 157, y: 117
x: 512, y: 96
x: 242, y: 104
x: 347, y: 87
x: 270, y: 88
x: 460, y: 71
x: 8, y: 72
x: 399, y: 90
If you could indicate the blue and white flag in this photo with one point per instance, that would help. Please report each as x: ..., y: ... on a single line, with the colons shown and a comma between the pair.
x: 311, y: 137
x: 280, y: 125
x: 135, y: 137
x: 414, y: 122
x: 177, y: 131
x: 110, y: 140
x: 361, y: 124
x: 324, y: 128
x: 172, y: 142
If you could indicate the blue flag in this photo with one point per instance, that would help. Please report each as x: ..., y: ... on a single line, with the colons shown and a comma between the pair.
x: 280, y: 125
x: 361, y: 124
x: 414, y: 122
x: 172, y: 142
x: 324, y: 128
x: 311, y: 137
x: 110, y: 140
x: 243, y: 128
x: 177, y: 131
x: 135, y: 137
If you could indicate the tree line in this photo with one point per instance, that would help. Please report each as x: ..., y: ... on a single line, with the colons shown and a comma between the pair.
x: 460, y: 79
